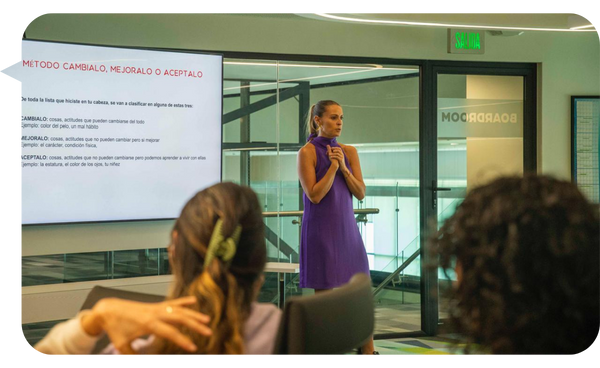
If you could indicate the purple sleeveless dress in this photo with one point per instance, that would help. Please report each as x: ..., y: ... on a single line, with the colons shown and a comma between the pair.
x: 331, y: 248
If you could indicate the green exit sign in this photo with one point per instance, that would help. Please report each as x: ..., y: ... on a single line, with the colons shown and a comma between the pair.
x: 466, y: 41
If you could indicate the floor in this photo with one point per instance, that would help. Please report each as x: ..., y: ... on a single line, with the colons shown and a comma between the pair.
x: 397, y: 318
x: 423, y: 345
x: 405, y: 318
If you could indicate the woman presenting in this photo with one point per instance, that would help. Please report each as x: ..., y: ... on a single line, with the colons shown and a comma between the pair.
x: 331, y: 247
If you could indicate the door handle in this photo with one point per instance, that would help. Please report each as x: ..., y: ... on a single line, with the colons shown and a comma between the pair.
x: 436, y: 189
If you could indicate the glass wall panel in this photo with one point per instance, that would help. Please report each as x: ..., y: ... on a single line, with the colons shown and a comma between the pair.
x: 251, y: 154
x: 93, y: 266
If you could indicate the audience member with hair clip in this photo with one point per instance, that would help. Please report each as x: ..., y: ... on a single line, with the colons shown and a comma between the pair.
x: 526, y: 256
x: 217, y: 255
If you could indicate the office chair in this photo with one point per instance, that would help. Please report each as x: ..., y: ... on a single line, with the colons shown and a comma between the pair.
x: 333, y: 322
x: 99, y: 292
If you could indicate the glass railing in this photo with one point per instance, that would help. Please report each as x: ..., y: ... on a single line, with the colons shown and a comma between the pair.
x: 403, y: 255
x: 406, y: 267
x: 400, y: 276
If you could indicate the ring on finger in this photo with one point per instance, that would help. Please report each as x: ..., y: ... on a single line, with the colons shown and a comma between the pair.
x: 169, y: 309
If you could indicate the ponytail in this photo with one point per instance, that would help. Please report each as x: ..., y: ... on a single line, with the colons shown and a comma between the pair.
x: 217, y: 293
x: 219, y: 263
x: 218, y: 296
x: 312, y: 128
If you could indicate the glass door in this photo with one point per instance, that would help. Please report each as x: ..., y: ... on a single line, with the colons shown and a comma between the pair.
x: 479, y: 138
x: 482, y: 126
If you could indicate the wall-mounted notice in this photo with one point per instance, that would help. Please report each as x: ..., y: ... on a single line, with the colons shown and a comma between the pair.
x: 114, y: 134
x: 585, y: 139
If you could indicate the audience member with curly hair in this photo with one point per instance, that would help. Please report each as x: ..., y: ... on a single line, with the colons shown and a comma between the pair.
x: 526, y: 256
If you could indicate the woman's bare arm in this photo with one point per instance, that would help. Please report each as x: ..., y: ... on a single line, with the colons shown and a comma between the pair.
x: 307, y: 161
x: 354, y: 180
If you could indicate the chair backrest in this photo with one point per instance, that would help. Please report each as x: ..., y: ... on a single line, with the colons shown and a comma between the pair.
x: 99, y: 292
x: 332, y: 322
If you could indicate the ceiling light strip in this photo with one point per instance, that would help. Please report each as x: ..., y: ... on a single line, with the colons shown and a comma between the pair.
x: 368, y: 67
x: 443, y: 25
x: 583, y: 27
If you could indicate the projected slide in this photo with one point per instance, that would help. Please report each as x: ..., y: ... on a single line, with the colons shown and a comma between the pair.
x: 114, y: 134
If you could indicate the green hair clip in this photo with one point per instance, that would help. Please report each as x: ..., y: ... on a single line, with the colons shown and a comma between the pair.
x: 219, y: 246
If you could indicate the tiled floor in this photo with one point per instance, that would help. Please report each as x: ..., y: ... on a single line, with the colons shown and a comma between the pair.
x: 397, y: 318
x: 423, y: 345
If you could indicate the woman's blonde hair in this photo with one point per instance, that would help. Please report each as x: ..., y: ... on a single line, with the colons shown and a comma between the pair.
x: 312, y: 128
x: 224, y: 289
